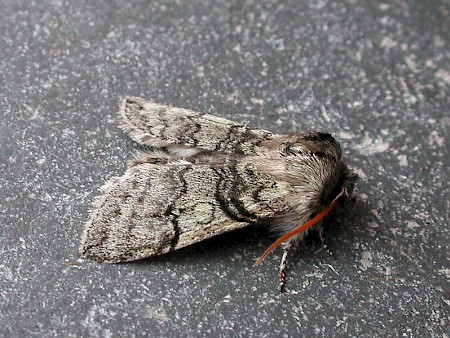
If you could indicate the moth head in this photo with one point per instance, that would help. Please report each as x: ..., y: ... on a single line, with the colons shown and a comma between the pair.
x: 313, y: 161
x: 310, y: 143
x: 341, y: 178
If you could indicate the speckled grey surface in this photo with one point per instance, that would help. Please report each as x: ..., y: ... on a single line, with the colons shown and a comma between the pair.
x: 376, y: 74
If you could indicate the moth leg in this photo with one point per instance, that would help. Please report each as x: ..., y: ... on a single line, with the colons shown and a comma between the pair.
x: 282, y: 276
x: 324, y: 242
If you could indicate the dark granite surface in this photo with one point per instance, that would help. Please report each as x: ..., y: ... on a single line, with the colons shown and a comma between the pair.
x: 376, y: 74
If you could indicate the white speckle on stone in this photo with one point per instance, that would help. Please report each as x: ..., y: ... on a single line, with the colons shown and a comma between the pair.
x: 362, y: 175
x: 443, y: 74
x: 438, y: 41
x: 256, y: 101
x: 410, y: 99
x: 237, y: 48
x: 388, y: 43
x: 358, y: 103
x: 67, y: 132
x: 384, y: 7
x: 411, y: 63
x: 448, y: 303
x: 375, y: 213
x: 445, y: 272
x: 156, y: 313
x: 435, y: 138
x: 318, y: 4
x: 412, y: 225
x: 366, y: 260
x: 90, y: 321
x: 430, y: 63
x: 346, y: 135
x: 370, y: 146
x: 422, y: 215
x: 396, y: 231
x: 323, y: 111
x: 384, y: 20
x: 363, y: 197
x: 402, y: 160
x: 385, y: 132
x: 200, y: 71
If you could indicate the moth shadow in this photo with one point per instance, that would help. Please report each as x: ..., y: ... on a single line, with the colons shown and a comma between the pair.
x: 344, y: 225
x: 254, y: 239
x: 342, y: 228
x: 212, y: 249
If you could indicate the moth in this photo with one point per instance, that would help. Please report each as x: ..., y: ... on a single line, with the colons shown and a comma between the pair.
x: 202, y: 176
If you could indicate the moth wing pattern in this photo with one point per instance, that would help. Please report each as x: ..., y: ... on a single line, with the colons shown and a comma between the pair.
x: 154, y: 209
x: 158, y: 125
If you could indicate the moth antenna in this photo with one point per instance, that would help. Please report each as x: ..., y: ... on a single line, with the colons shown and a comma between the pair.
x: 301, y: 228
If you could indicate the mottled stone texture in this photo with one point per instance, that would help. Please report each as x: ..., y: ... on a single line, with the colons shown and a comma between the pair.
x: 375, y: 74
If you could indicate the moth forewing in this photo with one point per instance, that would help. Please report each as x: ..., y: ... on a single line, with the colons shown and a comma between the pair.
x: 157, y: 125
x: 154, y: 209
